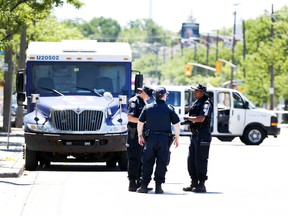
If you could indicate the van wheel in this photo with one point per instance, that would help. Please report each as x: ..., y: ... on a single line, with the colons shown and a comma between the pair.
x: 122, y: 161
x: 31, y: 161
x: 253, y: 135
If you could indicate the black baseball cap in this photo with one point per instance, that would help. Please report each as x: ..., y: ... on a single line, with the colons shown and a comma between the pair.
x: 200, y: 87
x: 147, y: 90
x: 160, y: 91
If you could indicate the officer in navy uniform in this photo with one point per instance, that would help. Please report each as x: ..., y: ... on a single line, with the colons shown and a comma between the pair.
x: 200, y: 119
x: 134, y: 150
x: 157, y: 117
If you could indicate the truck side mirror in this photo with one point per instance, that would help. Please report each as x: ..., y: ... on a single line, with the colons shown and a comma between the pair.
x: 20, y: 87
x: 20, y: 98
x: 20, y: 80
x: 138, y: 80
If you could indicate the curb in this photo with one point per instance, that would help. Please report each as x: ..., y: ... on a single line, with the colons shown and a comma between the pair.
x: 13, y: 174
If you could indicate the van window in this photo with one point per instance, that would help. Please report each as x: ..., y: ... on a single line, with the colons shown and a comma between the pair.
x: 238, y: 101
x: 174, y: 98
x: 224, y: 100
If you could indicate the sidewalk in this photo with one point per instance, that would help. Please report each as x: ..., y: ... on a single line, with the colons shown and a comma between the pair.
x: 11, y: 154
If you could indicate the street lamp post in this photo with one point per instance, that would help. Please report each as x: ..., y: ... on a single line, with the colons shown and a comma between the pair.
x: 233, y: 49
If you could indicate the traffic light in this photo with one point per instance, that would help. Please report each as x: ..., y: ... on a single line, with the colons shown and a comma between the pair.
x: 188, y: 70
x: 218, y: 67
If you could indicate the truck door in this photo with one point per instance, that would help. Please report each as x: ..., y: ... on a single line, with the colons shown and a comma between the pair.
x: 237, y: 114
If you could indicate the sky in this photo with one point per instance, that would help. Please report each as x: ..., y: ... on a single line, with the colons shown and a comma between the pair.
x: 170, y: 14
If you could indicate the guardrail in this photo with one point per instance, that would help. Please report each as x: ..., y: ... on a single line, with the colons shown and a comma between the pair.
x: 282, y: 116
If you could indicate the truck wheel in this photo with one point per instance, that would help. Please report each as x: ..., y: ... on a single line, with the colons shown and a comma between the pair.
x: 111, y: 163
x: 31, y: 161
x: 44, y: 162
x: 253, y: 135
x: 122, y: 161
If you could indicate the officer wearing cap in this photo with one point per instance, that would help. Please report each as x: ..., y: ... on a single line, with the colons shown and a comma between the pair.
x: 134, y: 150
x: 157, y: 117
x: 200, y: 118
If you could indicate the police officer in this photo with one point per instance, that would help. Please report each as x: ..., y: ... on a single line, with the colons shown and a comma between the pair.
x: 134, y: 150
x: 158, y: 117
x: 200, y: 118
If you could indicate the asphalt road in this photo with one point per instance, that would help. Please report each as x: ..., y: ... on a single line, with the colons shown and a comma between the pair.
x: 243, y: 180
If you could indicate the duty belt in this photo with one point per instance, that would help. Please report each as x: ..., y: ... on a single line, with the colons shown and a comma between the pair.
x: 160, y: 133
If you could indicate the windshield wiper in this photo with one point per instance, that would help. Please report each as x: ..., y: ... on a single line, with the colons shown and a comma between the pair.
x: 52, y: 90
x: 98, y: 92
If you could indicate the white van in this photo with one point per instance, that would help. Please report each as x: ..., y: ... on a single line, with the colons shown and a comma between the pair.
x: 233, y: 114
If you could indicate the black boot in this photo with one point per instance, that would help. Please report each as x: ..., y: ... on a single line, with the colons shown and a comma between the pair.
x: 200, y: 188
x: 132, y: 186
x: 158, y: 189
x: 143, y: 188
x: 138, y: 183
x: 194, y: 184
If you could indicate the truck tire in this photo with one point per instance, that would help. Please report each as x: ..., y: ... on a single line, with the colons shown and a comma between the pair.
x: 31, y: 161
x: 122, y: 161
x: 253, y: 135
x: 111, y: 163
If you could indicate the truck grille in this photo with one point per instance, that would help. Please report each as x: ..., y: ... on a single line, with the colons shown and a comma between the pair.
x: 69, y: 120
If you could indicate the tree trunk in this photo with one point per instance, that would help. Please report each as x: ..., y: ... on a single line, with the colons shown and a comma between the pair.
x: 22, y: 57
x: 8, y: 78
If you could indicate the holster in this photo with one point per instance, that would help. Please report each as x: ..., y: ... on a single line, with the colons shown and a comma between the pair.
x: 146, y: 133
x: 194, y: 130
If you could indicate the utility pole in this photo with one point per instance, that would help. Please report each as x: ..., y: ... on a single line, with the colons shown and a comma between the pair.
x: 244, y: 47
x: 233, y: 48
x: 217, y: 42
x: 271, y: 90
x: 207, y: 52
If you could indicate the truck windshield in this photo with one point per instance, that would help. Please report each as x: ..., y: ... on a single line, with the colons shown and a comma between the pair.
x: 78, y: 77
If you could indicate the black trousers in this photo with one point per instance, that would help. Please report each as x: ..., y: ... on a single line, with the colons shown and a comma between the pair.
x: 134, y: 155
x: 156, y: 150
x: 199, y: 154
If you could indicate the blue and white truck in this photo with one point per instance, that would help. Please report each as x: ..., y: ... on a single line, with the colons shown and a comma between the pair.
x: 76, y: 94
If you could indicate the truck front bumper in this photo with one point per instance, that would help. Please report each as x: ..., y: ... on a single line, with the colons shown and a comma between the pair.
x: 61, y: 143
x: 273, y: 131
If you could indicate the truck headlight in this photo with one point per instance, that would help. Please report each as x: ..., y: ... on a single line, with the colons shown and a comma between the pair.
x: 39, y: 128
x: 118, y: 129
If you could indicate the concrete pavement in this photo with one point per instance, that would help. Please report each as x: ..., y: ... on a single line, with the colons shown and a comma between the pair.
x: 11, y: 153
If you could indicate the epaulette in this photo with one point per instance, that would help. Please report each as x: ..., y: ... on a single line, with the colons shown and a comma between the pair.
x: 171, y: 107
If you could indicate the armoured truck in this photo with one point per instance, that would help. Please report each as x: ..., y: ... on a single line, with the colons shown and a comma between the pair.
x: 76, y: 94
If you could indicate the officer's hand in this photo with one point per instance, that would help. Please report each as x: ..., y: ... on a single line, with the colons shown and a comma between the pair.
x: 176, y: 142
x: 141, y: 140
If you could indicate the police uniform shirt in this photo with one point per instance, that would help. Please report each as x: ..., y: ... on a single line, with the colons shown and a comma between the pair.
x: 135, y: 107
x: 159, y: 116
x: 201, y: 107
